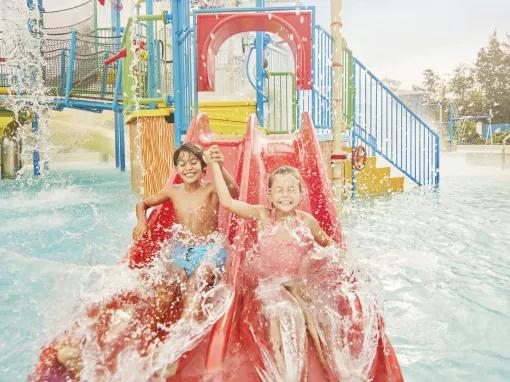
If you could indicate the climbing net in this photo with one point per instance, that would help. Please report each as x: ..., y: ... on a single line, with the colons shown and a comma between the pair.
x: 91, y: 79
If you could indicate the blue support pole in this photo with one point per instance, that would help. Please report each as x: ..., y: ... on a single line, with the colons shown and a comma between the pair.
x: 149, y: 10
x: 259, y: 45
x: 178, y: 93
x: 117, y: 136
x: 181, y: 67
x: 118, y: 115
x: 70, y: 68
x: 35, y: 153
x: 62, y: 72
x: 159, y: 83
x: 436, y: 168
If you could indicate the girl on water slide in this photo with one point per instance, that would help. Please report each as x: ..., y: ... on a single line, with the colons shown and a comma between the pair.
x: 293, y: 287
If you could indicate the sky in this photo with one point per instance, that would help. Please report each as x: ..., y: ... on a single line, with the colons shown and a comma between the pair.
x: 399, y: 39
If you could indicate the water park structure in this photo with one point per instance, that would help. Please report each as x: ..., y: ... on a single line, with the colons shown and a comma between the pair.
x: 131, y: 71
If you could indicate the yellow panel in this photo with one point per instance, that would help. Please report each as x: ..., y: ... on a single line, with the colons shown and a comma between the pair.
x: 228, y: 118
x: 225, y: 117
x: 150, y: 113
x: 5, y: 118
x: 4, y: 90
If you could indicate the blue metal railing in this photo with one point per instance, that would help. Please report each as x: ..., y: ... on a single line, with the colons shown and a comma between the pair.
x: 384, y: 124
x: 318, y: 101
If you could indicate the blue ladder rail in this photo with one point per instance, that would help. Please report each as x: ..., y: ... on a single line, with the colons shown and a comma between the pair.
x: 389, y: 128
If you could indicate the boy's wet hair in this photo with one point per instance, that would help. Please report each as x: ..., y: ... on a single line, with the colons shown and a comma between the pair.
x: 190, y: 148
x: 284, y: 170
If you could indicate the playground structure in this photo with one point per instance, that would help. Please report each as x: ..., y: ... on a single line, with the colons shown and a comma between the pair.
x: 154, y: 74
x: 457, y: 124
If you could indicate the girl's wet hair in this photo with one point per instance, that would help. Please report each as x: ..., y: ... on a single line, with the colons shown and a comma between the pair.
x: 284, y: 170
x: 190, y: 148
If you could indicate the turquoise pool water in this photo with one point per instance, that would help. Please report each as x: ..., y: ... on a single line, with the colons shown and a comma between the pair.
x: 441, y: 258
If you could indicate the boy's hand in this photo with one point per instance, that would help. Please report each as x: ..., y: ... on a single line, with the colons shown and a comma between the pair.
x: 140, y: 230
x: 207, y: 156
x: 216, y: 155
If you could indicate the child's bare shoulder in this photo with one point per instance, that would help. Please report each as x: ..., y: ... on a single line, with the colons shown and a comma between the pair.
x: 174, y: 189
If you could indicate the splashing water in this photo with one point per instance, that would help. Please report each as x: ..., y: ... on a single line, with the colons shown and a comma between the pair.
x: 23, y: 36
x: 136, y: 324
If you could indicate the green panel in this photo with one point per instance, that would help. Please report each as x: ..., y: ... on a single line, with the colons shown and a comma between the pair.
x: 281, y: 88
x: 127, y: 81
x: 348, y: 88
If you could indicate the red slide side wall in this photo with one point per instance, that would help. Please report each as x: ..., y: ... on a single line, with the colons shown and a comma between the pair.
x: 293, y: 27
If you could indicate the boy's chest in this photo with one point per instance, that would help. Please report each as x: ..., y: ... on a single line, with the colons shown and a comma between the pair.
x: 194, y: 203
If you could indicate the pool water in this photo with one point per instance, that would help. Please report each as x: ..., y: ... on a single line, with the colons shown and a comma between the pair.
x: 55, y: 233
x: 441, y: 258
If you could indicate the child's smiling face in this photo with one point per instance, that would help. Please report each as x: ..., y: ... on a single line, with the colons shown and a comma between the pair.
x: 285, y: 192
x: 189, y: 167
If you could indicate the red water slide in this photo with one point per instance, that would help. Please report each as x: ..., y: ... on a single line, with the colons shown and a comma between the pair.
x: 252, y: 158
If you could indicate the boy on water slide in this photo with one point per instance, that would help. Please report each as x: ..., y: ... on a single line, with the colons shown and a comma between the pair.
x: 196, y: 206
x: 195, y: 255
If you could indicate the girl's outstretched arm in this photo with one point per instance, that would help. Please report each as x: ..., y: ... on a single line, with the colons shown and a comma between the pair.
x: 217, y: 156
x: 318, y: 234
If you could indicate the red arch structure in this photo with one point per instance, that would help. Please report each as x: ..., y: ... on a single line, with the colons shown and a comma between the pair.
x: 293, y: 27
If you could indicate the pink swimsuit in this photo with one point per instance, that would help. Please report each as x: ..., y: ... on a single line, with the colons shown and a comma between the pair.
x: 275, y: 256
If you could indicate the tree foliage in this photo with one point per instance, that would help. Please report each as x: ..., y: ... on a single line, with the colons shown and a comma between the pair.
x: 476, y: 89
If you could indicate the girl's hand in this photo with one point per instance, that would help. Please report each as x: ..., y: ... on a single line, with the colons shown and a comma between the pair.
x: 140, y: 230
x: 207, y: 156
x: 216, y: 155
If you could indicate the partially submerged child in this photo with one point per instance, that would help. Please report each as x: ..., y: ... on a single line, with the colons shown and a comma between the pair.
x: 280, y: 306
x: 192, y: 271
x: 196, y: 206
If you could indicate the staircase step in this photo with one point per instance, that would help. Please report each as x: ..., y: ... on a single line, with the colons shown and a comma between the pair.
x: 374, y: 180
x: 369, y: 173
x: 371, y: 162
x: 397, y: 184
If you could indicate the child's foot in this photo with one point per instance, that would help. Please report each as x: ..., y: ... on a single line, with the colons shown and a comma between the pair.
x: 70, y: 357
x: 170, y: 370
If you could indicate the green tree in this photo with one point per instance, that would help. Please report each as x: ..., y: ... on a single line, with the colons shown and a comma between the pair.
x: 433, y: 85
x: 492, y: 71
x: 461, y: 83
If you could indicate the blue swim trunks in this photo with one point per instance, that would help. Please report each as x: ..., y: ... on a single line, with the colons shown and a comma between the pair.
x: 190, y: 257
